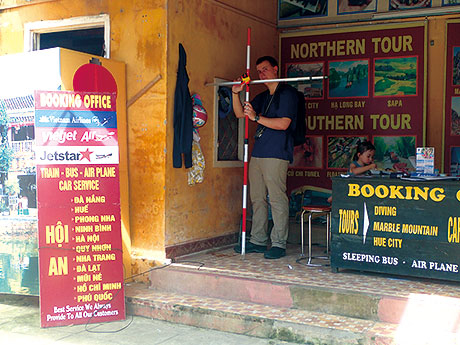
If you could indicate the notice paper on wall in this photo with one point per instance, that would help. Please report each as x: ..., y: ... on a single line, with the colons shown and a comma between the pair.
x: 425, y: 160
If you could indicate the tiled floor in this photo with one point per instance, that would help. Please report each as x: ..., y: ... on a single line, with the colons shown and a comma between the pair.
x: 287, y: 269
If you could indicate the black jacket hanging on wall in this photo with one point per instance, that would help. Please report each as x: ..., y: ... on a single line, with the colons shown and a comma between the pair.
x: 183, y: 125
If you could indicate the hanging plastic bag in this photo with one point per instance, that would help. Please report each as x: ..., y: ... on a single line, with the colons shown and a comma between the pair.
x: 196, y: 172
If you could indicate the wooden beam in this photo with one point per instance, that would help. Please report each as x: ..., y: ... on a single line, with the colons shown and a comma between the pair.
x: 143, y: 91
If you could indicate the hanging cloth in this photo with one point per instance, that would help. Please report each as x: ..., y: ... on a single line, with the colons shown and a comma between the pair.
x: 183, y: 126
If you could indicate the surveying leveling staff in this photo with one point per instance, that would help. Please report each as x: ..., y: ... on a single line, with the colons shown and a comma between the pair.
x: 275, y: 112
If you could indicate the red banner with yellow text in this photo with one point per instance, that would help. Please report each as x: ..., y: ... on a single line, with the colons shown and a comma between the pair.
x: 373, y: 89
x: 79, y: 228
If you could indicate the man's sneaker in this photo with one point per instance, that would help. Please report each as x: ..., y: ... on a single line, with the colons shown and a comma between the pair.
x: 275, y: 253
x: 250, y: 248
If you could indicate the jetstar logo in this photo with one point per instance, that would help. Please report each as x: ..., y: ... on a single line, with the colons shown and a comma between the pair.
x: 66, y: 156
x: 61, y: 156
x: 86, y: 154
x: 76, y: 155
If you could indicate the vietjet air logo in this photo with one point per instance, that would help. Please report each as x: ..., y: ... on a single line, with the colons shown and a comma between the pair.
x: 62, y: 136
x: 76, y: 136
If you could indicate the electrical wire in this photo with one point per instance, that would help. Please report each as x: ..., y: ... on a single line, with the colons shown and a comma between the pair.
x: 88, y: 323
x: 200, y: 264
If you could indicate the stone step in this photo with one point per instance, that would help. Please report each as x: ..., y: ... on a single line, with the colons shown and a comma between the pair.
x: 259, y: 320
x: 366, y: 304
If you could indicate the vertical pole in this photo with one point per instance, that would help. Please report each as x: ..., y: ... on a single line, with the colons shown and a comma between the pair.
x: 246, y: 136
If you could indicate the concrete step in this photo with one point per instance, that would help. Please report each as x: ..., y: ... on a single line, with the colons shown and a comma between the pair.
x: 358, y: 303
x: 260, y: 320
x: 285, y: 300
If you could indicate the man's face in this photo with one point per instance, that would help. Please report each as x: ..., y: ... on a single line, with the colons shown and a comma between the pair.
x: 267, y: 71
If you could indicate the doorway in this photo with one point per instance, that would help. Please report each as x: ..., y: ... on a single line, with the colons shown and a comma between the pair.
x: 89, y: 41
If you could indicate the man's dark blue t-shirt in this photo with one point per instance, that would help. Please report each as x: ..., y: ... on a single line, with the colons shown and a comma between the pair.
x: 275, y: 143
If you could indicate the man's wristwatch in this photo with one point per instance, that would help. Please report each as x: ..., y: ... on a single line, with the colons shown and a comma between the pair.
x: 256, y: 118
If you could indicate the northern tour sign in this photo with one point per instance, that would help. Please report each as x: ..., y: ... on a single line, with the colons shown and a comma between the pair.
x: 374, y: 90
x: 79, y: 228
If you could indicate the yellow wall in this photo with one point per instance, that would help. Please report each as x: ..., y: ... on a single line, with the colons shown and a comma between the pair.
x: 214, y: 37
x: 139, y: 39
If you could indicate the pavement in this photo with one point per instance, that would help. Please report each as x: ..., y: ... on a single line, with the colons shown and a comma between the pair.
x: 20, y: 324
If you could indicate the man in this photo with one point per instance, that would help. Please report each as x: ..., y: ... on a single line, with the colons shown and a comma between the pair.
x: 275, y: 112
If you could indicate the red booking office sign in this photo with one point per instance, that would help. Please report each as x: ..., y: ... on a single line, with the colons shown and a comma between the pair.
x: 79, y: 228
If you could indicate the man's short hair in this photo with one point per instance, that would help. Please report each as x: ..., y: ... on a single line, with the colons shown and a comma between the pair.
x: 271, y: 60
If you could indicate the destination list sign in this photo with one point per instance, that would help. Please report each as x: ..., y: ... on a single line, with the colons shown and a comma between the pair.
x: 80, y: 246
x: 398, y: 227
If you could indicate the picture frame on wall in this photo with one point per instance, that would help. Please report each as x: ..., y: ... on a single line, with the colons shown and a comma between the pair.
x: 310, y: 154
x: 454, y: 161
x: 356, y: 6
x: 395, y: 153
x: 456, y: 66
x: 341, y: 150
x: 298, y: 9
x: 455, y: 118
x: 348, y: 78
x: 396, y: 5
x: 387, y: 77
x: 311, y: 89
x: 450, y: 2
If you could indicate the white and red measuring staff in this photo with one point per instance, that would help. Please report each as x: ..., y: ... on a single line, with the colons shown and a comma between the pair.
x: 247, y: 80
